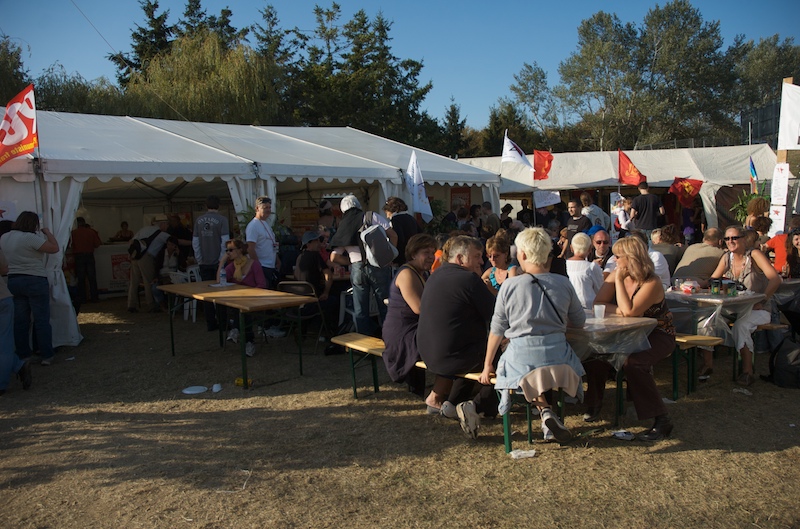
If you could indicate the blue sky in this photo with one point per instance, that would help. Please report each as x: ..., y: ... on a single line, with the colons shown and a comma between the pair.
x: 471, y: 49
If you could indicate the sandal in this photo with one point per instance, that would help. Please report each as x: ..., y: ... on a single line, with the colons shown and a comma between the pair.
x: 745, y: 379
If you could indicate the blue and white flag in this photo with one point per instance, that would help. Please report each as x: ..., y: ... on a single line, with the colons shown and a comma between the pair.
x: 512, y: 153
x: 417, y: 189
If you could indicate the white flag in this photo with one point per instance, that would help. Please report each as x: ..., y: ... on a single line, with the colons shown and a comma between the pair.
x: 789, y: 124
x: 418, y: 194
x: 512, y: 153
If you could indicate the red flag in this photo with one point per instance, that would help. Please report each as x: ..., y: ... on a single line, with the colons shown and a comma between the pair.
x: 685, y: 189
x: 18, y: 133
x: 628, y: 173
x: 542, y: 162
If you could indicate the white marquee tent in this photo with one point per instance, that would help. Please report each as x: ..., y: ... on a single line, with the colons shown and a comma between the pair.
x: 123, y: 158
x: 716, y: 167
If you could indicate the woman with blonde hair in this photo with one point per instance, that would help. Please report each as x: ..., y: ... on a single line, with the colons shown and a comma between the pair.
x: 533, y: 310
x: 634, y: 289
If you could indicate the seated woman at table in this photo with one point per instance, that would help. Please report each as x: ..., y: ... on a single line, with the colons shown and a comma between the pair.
x: 634, y: 289
x: 751, y: 268
x: 533, y: 311
x: 242, y: 270
x: 585, y: 276
x: 792, y: 270
x: 498, y: 250
x: 402, y: 314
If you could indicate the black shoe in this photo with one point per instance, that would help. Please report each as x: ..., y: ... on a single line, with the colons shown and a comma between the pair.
x: 25, y: 375
x: 660, y: 430
x: 592, y: 414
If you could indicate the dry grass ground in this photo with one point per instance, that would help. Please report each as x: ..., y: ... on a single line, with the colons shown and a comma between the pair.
x: 106, y: 439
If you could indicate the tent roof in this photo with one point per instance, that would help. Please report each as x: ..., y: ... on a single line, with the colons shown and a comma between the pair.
x: 580, y: 170
x: 435, y: 169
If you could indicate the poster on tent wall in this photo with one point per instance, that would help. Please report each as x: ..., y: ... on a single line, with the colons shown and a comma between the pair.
x: 780, y: 184
x: 8, y: 210
x: 304, y: 219
x: 460, y: 192
x: 778, y: 216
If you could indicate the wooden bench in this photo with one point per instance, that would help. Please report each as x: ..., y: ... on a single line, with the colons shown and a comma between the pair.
x: 686, y: 349
x: 372, y: 348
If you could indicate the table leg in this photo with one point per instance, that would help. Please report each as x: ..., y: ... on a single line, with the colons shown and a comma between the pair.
x: 300, y: 340
x: 242, y: 349
x: 170, y: 306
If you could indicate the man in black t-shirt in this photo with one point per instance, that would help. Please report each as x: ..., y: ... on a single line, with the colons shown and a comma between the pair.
x: 576, y: 223
x: 645, y: 210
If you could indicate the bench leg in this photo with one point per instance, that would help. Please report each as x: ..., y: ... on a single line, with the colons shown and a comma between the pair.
x: 354, y: 363
x: 676, y: 357
x: 507, y: 430
x: 353, y: 370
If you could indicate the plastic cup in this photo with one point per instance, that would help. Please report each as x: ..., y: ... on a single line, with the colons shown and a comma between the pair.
x: 600, y: 311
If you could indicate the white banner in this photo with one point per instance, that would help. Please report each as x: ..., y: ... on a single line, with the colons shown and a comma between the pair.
x: 780, y: 184
x: 418, y: 194
x: 546, y: 198
x: 789, y: 124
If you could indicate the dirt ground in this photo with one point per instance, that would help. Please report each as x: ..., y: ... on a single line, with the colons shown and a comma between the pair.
x: 106, y: 438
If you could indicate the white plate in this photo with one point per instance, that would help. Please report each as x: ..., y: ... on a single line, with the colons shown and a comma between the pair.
x: 217, y: 285
x: 194, y: 390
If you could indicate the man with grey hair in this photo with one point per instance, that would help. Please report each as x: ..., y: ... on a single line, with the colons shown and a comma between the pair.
x: 262, y: 243
x: 367, y: 280
x: 454, y: 311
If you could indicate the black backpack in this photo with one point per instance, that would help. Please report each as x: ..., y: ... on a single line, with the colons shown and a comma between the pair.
x: 138, y: 247
x: 784, y: 365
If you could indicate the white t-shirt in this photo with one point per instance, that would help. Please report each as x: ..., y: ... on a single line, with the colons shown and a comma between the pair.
x: 659, y: 262
x: 259, y: 232
x: 354, y: 252
x: 587, y: 278
x: 21, y: 249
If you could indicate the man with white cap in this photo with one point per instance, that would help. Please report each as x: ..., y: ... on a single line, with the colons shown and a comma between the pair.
x: 366, y: 279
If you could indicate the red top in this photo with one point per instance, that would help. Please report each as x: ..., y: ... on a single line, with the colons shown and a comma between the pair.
x: 85, y: 240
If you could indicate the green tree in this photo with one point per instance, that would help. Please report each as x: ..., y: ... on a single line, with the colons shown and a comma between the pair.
x: 453, y: 142
x: 601, y: 84
x: 13, y: 76
x: 686, y: 73
x: 196, y: 21
x: 761, y: 68
x: 201, y: 80
x: 148, y: 41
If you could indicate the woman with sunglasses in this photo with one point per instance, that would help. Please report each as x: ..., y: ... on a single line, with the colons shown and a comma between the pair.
x: 242, y: 270
x: 751, y: 268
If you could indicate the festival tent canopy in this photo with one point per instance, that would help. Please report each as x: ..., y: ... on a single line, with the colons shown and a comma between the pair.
x: 719, y: 166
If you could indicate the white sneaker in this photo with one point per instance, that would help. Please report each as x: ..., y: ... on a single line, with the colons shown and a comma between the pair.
x: 469, y: 418
x: 250, y: 349
x: 547, y: 434
x: 556, y: 427
x: 274, y: 332
x: 233, y: 335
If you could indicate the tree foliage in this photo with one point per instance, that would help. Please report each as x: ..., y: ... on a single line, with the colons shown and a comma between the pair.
x: 13, y: 76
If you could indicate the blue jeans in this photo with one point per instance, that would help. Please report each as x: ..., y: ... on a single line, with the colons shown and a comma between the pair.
x: 369, y: 280
x: 9, y: 361
x: 31, y: 298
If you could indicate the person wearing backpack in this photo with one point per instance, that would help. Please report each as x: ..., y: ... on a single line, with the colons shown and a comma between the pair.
x: 366, y: 279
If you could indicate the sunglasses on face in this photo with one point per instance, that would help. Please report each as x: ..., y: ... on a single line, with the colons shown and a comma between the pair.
x: 735, y: 238
x: 601, y: 242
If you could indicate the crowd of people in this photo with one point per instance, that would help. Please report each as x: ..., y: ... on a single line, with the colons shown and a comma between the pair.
x: 493, y: 294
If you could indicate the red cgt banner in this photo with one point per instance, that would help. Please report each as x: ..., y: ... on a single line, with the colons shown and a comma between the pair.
x: 18, y: 133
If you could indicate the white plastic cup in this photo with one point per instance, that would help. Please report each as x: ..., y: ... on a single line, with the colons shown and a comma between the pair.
x: 216, y: 388
x: 600, y: 311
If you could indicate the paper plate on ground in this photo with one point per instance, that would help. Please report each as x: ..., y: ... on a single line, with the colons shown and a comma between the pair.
x: 194, y: 390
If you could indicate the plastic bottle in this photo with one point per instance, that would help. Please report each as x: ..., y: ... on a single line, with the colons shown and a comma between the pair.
x: 223, y: 277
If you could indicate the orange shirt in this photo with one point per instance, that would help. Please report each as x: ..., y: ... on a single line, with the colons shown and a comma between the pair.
x: 437, y: 260
x: 778, y: 245
x: 85, y: 240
